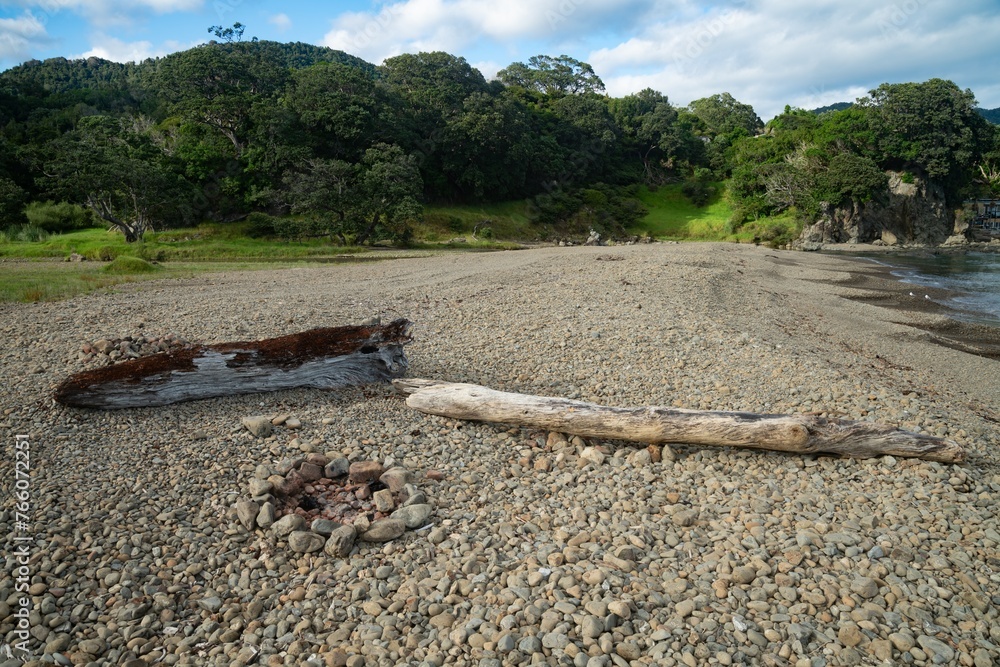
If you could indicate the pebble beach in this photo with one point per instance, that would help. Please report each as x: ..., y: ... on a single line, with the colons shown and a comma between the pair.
x: 542, y: 548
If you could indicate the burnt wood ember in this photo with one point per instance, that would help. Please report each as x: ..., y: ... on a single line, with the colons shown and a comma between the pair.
x: 324, y: 358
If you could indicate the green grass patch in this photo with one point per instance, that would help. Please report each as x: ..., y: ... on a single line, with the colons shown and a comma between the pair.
x: 673, y: 216
x: 125, y: 265
x: 503, y: 221
x: 207, y: 242
x: 48, y: 280
x: 774, y: 231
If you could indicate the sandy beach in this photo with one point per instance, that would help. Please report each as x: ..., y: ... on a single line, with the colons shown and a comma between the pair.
x: 535, y: 554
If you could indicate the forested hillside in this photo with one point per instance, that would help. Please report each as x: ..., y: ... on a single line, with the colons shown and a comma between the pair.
x: 992, y: 115
x: 317, y: 142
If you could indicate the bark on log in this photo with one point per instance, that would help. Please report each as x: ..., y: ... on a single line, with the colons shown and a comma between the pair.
x: 803, y: 434
x: 319, y: 358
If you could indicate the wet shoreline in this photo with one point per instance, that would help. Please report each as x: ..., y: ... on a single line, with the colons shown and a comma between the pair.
x: 923, y: 307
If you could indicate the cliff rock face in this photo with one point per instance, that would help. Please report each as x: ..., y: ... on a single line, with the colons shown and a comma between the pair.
x: 910, y: 213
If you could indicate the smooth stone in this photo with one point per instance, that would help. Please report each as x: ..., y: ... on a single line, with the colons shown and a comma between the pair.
x: 305, y: 541
x: 259, y: 425
x: 413, y: 516
x: 629, y: 650
x: 620, y: 609
x: 396, y: 479
x: 211, y: 604
x: 288, y: 524
x: 361, y: 472
x: 591, y: 627
x: 941, y: 653
x: 593, y: 455
x: 866, y: 587
x: 529, y: 645
x: 384, y: 530
x: 260, y: 487
x: 640, y: 458
x: 981, y: 658
x: 323, y: 526
x: 684, y: 608
x: 506, y: 643
x: 337, y: 467
x: 310, y: 472
x: 383, y: 501
x: 685, y: 518
x: 246, y: 511
x: 96, y: 647
x: 903, y: 643
x: 341, y: 542
x: 265, y: 518
x: 850, y: 635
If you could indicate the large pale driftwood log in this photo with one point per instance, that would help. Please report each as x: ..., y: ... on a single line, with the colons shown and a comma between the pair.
x: 803, y: 434
x: 319, y: 358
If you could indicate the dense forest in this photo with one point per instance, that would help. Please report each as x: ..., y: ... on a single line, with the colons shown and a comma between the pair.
x: 308, y: 141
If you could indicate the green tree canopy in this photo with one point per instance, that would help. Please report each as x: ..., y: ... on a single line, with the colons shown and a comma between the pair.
x: 725, y: 115
x: 112, y: 167
x: 552, y: 76
x: 932, y: 126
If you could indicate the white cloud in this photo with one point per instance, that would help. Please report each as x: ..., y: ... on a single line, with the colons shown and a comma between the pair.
x: 113, y: 12
x: 18, y: 35
x: 111, y: 48
x: 488, y: 68
x: 281, y: 22
x: 775, y: 52
x: 99, y: 7
x: 408, y: 26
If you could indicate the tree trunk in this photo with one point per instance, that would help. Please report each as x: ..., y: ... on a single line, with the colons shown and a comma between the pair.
x: 369, y: 230
x: 803, y: 434
x: 319, y: 358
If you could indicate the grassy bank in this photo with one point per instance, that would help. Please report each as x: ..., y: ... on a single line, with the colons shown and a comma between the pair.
x: 50, y: 280
x: 207, y: 242
x: 219, y: 247
x: 673, y: 216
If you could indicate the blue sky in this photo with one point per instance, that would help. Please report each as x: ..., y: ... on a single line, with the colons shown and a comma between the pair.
x: 767, y: 53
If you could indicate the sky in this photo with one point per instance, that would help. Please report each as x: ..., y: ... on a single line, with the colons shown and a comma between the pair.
x: 767, y: 53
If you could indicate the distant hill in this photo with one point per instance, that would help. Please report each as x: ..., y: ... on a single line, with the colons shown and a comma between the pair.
x: 59, y: 75
x: 992, y: 115
x: 837, y: 106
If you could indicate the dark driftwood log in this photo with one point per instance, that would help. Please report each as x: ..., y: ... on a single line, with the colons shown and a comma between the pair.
x: 803, y: 434
x: 318, y: 358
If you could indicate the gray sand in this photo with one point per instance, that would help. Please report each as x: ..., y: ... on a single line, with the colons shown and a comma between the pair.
x: 536, y: 554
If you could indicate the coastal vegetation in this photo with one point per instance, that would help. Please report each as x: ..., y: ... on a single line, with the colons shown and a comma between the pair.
x: 255, y: 148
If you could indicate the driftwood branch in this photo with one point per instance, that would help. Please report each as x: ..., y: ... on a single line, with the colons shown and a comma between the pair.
x: 319, y: 358
x: 803, y: 434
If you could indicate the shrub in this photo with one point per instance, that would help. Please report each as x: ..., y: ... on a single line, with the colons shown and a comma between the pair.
x: 697, y: 191
x: 260, y: 225
x: 105, y: 253
x: 61, y: 217
x: 151, y: 255
x: 128, y: 265
x: 300, y: 228
x: 12, y: 198
x: 24, y: 234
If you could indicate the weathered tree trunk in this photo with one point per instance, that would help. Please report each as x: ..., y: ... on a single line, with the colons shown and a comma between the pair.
x: 804, y: 434
x: 319, y: 358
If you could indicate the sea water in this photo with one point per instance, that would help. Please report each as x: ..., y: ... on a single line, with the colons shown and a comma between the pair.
x: 973, y: 277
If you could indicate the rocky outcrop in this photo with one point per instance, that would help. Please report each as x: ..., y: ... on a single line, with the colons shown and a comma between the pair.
x: 909, y: 213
